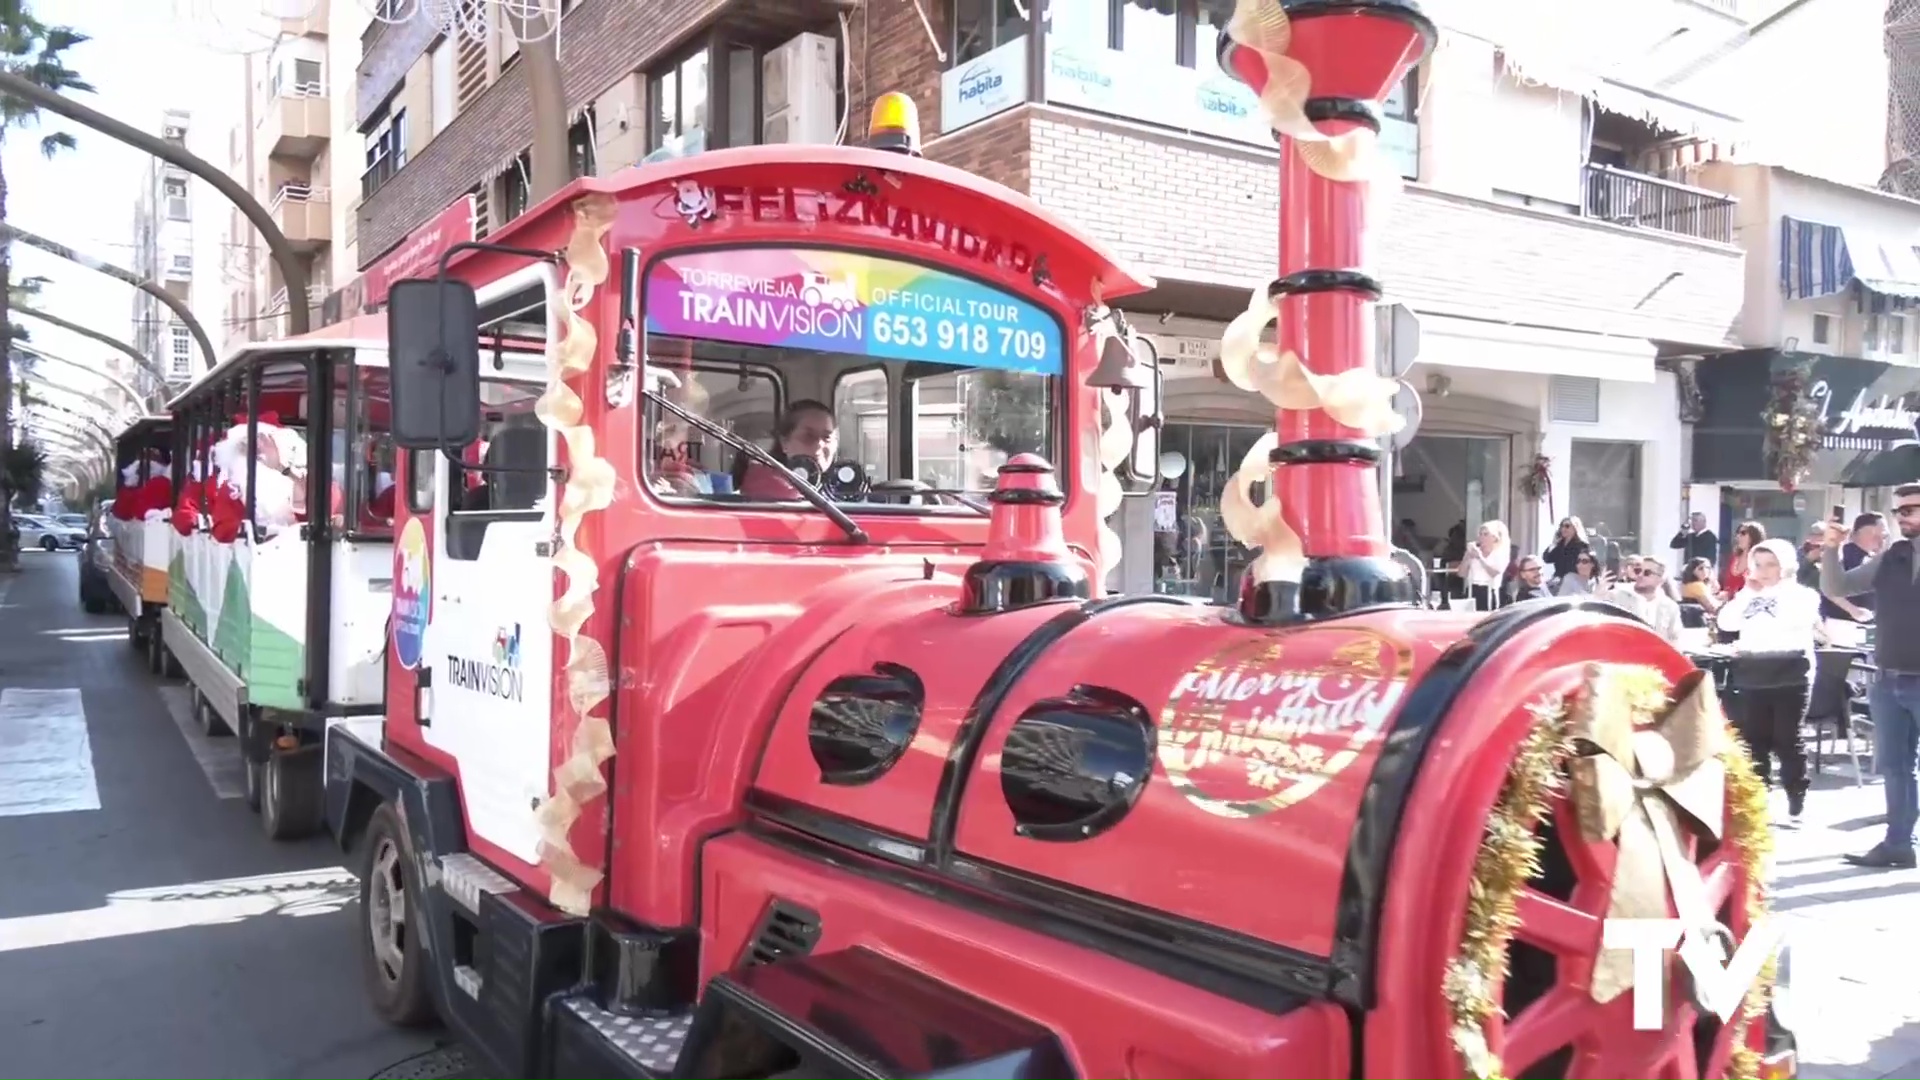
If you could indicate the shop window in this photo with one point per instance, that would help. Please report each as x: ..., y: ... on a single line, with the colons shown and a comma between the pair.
x: 1822, y: 329
x: 1604, y: 482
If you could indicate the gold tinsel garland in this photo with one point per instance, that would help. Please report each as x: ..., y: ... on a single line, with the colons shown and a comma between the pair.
x: 1510, y: 856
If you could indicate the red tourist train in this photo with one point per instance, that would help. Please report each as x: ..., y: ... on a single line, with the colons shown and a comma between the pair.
x: 754, y: 708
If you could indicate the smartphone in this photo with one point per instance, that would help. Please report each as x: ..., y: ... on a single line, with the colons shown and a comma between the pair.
x: 1839, y: 514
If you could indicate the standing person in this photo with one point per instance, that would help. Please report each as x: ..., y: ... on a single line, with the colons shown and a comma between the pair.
x: 1771, y: 677
x: 1750, y: 535
x: 1869, y: 538
x: 1587, y: 578
x: 1484, y: 564
x: 1696, y: 541
x: 1893, y: 576
x: 1569, y: 543
x: 1531, y: 583
x: 1645, y: 594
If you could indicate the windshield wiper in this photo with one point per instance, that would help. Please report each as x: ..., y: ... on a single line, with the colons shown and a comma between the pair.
x: 811, y: 494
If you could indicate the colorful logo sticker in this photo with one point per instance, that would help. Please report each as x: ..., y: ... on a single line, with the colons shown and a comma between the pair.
x: 412, y: 595
x: 860, y: 305
x: 1244, y: 733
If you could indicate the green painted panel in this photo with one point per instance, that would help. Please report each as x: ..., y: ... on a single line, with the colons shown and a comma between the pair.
x: 233, y: 640
x: 276, y: 665
x: 181, y: 598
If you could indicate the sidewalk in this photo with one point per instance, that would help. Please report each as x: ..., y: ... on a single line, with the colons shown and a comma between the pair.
x: 1855, y: 936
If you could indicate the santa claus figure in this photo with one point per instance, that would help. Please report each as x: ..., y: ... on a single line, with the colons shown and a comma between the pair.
x: 186, y: 509
x: 279, y: 473
x: 156, y: 496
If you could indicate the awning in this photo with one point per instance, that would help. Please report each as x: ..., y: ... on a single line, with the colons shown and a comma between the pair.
x: 1550, y: 67
x: 1532, y: 350
x: 1823, y: 260
x: 1897, y: 464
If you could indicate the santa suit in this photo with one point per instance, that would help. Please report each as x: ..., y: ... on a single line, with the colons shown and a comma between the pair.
x: 186, y: 510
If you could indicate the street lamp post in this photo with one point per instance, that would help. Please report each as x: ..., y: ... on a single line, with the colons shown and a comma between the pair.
x: 132, y: 353
x: 294, y: 274
x: 151, y: 288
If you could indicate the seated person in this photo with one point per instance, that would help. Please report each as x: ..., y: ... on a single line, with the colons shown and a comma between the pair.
x: 806, y: 431
x: 520, y: 445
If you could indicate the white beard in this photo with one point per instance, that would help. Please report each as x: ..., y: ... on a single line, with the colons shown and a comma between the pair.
x: 273, y: 494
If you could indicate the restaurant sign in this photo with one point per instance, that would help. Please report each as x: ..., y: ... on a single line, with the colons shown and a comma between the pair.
x: 1866, y: 421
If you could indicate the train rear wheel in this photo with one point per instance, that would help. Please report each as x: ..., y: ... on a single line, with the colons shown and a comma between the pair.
x: 292, y: 798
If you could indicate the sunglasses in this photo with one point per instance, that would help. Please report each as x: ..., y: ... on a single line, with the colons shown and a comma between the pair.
x: 1585, y: 562
x: 1649, y: 573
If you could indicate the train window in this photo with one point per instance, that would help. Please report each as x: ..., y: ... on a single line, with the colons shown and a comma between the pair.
x: 502, y: 476
x: 367, y: 464
x: 966, y: 424
x: 681, y: 459
x: 420, y: 481
x: 860, y: 410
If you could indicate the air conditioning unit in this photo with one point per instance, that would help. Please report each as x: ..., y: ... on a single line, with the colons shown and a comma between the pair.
x: 797, y: 91
x: 175, y: 133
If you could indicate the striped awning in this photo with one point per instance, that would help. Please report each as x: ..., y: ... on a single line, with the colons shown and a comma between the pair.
x: 1823, y: 260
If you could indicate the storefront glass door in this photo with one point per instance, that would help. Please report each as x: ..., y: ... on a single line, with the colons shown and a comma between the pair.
x: 1193, y: 555
x: 1444, y: 488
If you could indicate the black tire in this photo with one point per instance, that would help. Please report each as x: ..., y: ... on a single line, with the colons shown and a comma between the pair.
x: 252, y: 769
x: 401, y: 996
x: 48, y: 543
x: 292, y: 794
x: 208, y: 718
x: 156, y: 652
x: 93, y: 605
x: 136, y: 634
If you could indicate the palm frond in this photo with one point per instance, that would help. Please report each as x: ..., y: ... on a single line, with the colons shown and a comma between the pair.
x: 56, y: 142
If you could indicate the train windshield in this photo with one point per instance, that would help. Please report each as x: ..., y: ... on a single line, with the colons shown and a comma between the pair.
x: 840, y: 364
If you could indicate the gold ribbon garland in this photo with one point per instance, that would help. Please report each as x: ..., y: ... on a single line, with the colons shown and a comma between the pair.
x: 1115, y: 440
x: 1511, y: 847
x: 1640, y: 764
x: 589, y: 488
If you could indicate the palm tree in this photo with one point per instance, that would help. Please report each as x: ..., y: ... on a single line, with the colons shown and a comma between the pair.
x: 36, y: 52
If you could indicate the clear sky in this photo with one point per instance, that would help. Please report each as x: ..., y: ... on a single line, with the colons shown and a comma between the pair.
x: 145, y: 56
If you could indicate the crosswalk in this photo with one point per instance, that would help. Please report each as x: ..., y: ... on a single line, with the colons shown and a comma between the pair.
x: 46, y: 758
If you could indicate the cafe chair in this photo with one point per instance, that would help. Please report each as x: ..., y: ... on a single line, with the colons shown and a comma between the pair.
x: 1830, y: 708
x: 1693, y: 616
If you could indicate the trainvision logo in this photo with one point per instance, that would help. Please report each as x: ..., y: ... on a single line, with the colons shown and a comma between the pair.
x: 978, y: 81
x: 497, y: 676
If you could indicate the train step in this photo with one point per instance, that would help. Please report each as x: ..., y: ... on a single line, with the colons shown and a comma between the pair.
x: 850, y: 1013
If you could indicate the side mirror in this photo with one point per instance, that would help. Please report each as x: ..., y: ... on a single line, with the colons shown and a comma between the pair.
x: 433, y: 357
x: 1140, y: 473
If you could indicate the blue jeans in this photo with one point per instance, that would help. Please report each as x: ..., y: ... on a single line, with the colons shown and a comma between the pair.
x: 1895, y: 705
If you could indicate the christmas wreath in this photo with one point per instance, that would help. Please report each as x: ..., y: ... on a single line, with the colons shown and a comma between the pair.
x: 1793, y: 426
x: 1537, y: 483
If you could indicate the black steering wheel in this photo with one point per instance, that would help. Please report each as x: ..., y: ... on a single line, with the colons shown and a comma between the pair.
x: 903, y: 492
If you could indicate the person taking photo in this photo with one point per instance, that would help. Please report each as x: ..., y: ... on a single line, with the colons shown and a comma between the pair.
x: 1893, y: 577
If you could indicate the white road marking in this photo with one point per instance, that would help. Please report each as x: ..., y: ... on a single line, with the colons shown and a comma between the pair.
x: 174, y: 907
x: 46, y: 759
x: 218, y: 758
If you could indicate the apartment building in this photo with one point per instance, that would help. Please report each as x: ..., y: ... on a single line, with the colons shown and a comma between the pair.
x: 299, y: 105
x: 179, y: 249
x: 1833, y: 281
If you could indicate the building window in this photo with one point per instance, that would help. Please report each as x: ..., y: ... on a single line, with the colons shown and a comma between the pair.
x: 183, y: 262
x: 1604, y: 493
x: 444, y: 86
x: 1822, y: 329
x: 516, y: 187
x: 743, y: 96
x: 386, y: 153
x: 680, y: 96
x: 1148, y: 33
x: 180, y: 353
x: 1894, y: 336
x: 981, y: 26
x: 580, y: 156
x: 176, y: 194
x: 309, y: 78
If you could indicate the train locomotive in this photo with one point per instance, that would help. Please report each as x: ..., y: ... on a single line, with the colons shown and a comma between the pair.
x: 722, y: 742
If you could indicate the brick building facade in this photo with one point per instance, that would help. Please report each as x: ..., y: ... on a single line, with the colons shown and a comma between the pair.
x: 1546, y: 235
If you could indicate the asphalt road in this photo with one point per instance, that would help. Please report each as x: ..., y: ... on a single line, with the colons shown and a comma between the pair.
x: 147, y: 926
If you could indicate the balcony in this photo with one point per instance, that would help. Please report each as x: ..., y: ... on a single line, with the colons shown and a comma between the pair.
x: 312, y: 24
x: 305, y: 214
x: 1645, y: 202
x: 296, y: 122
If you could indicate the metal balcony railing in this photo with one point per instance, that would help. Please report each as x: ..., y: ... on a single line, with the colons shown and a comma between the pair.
x: 1647, y: 202
x: 277, y: 303
x: 302, y: 90
x: 296, y: 193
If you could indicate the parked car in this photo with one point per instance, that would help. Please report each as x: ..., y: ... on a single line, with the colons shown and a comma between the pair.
x: 47, y: 534
x: 96, y: 556
x: 77, y: 521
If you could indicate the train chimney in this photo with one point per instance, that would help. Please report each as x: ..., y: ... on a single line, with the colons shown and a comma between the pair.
x: 1324, y: 472
x: 1026, y: 560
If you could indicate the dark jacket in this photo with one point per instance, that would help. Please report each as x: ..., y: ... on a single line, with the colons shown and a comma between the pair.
x: 1894, y: 580
x: 1564, y: 555
x: 1696, y: 545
